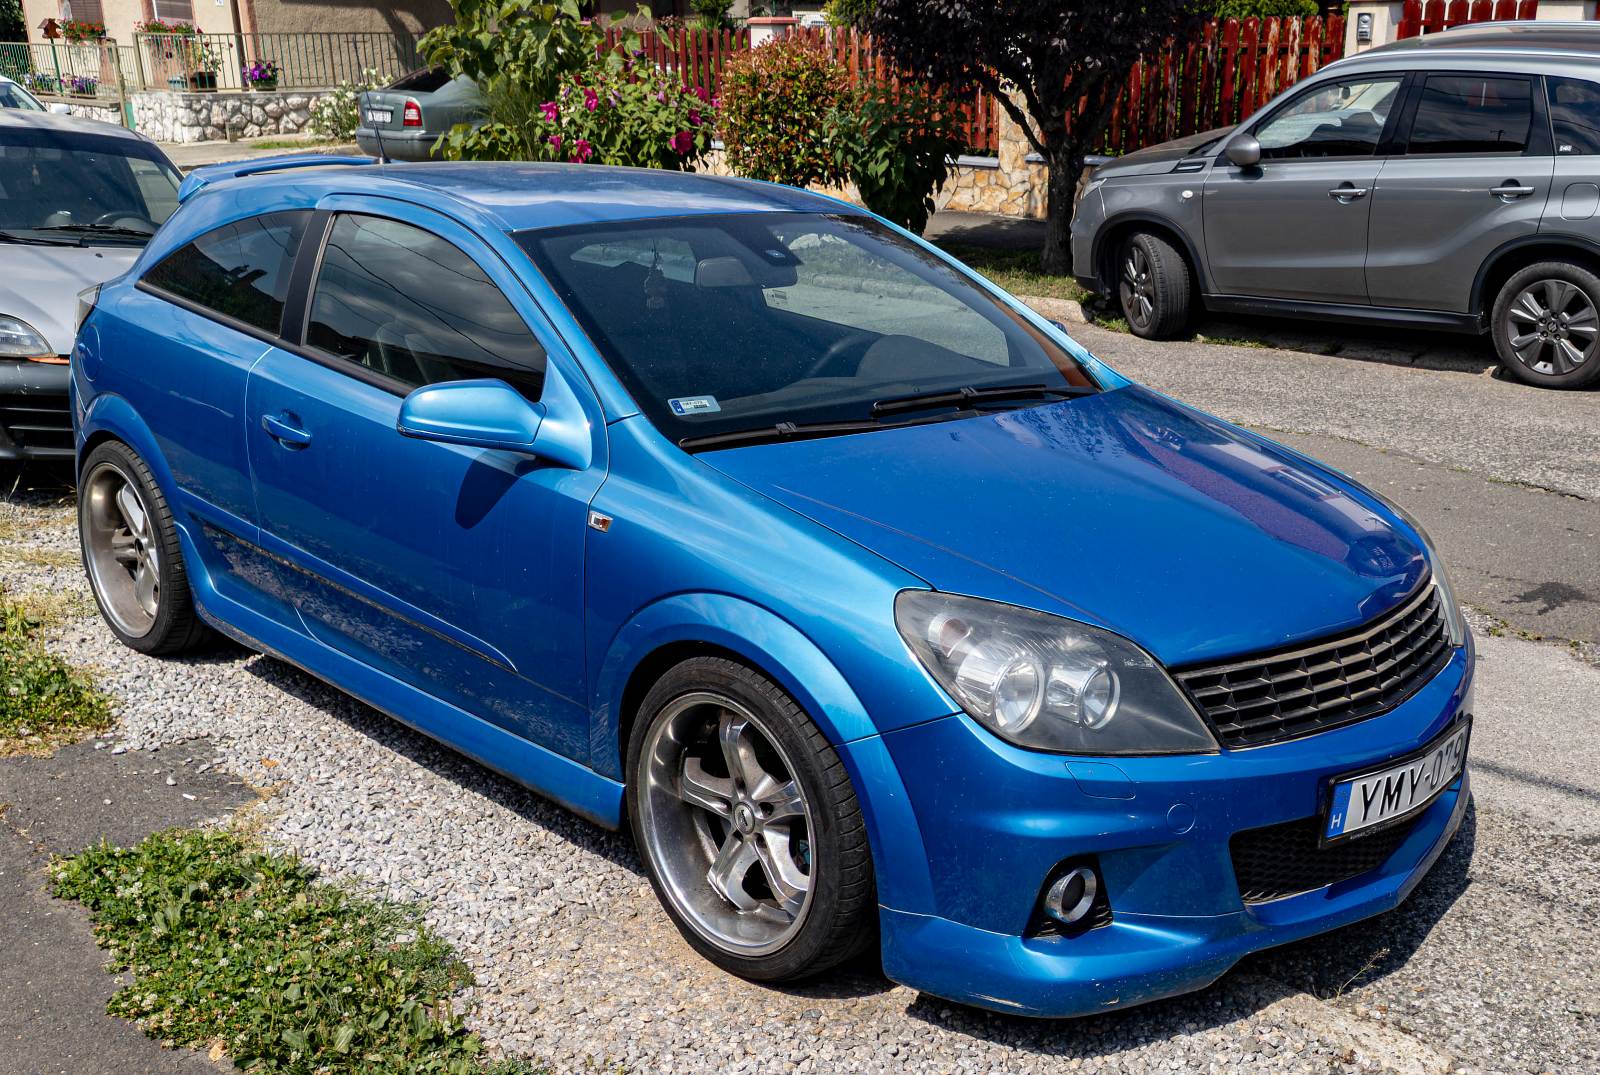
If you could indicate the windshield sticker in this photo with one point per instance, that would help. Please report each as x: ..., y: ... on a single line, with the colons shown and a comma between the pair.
x: 687, y: 406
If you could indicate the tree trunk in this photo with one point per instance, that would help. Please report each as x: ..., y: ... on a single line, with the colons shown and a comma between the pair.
x: 1066, y: 166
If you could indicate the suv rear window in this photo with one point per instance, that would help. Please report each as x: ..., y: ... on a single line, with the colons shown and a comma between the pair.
x: 1574, y: 115
x: 1472, y: 114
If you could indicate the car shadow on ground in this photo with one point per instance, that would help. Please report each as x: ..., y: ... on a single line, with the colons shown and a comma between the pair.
x: 1323, y: 967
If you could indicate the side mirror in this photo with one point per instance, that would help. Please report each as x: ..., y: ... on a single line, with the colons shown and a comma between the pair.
x: 1244, y: 151
x: 60, y: 109
x: 479, y: 414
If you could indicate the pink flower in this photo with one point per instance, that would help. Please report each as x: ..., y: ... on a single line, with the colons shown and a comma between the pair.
x: 682, y: 142
x: 555, y: 142
x: 700, y: 92
x: 591, y: 100
x: 581, y: 151
x: 551, y: 110
x: 661, y: 95
x: 694, y: 117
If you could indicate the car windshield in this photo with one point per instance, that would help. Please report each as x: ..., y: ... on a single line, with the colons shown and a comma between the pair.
x: 741, y: 327
x: 71, y: 186
x: 14, y: 96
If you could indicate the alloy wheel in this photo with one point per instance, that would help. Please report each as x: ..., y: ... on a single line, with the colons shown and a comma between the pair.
x: 726, y: 824
x: 1553, y: 327
x: 120, y: 546
x: 1138, y: 290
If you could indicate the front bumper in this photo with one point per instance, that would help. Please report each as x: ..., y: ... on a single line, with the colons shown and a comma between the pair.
x: 995, y: 820
x: 35, y: 420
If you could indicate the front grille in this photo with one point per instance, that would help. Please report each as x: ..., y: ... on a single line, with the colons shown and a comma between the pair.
x: 37, y: 422
x: 1290, y: 693
x: 1284, y: 860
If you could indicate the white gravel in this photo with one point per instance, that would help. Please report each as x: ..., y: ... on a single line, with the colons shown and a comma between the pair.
x: 578, y: 967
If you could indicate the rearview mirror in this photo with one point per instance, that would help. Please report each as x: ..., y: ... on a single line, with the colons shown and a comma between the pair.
x: 1244, y: 151
x: 479, y: 414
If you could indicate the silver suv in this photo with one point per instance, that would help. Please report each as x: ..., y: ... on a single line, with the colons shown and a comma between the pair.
x: 1450, y: 181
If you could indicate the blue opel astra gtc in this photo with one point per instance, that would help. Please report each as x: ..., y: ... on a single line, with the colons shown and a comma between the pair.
x: 881, y: 611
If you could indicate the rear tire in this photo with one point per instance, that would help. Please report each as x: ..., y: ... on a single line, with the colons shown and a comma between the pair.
x: 132, y: 555
x: 760, y: 854
x: 1546, y: 325
x: 1154, y: 287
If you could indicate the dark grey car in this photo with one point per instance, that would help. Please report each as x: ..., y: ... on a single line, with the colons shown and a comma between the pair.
x: 1450, y: 181
x: 404, y: 119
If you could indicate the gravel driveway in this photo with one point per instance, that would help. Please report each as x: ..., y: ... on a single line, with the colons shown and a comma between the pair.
x: 1492, y: 965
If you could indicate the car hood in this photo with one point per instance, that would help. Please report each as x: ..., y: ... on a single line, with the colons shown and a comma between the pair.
x: 1158, y: 158
x: 1124, y: 509
x: 41, y: 284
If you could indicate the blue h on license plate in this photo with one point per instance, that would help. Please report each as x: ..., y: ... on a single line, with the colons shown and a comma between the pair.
x: 1398, y: 790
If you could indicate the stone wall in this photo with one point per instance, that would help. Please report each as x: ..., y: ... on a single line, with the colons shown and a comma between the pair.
x: 186, y: 116
x: 108, y: 113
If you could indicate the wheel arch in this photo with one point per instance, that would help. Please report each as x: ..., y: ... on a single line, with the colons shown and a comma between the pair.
x: 1116, y: 229
x: 112, y: 417
x: 688, y: 625
x: 1517, y: 255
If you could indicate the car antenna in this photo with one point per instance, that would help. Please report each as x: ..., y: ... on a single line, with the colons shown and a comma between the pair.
x: 383, y: 154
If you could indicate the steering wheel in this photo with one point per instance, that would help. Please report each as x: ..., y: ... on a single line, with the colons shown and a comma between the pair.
x: 116, y: 216
x: 838, y: 348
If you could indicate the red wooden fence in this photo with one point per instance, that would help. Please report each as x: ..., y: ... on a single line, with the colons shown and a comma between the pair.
x: 1430, y: 16
x: 695, y: 56
x: 1219, y: 78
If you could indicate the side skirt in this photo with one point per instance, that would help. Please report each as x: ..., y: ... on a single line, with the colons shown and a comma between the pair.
x: 1352, y: 313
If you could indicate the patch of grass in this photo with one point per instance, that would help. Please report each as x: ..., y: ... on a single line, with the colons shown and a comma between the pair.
x: 240, y: 948
x: 1017, y: 271
x: 36, y: 557
x: 44, y: 701
x: 49, y: 609
x: 297, y: 143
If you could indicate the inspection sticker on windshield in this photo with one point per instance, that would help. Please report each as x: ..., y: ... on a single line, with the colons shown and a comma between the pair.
x: 1398, y: 790
x: 687, y: 406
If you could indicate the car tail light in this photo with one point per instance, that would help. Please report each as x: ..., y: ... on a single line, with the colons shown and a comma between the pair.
x: 412, y: 116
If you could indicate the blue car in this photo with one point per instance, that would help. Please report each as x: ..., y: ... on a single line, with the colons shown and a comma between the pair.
x: 885, y: 615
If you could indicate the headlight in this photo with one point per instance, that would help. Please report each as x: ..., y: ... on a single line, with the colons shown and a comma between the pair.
x: 1455, y: 624
x: 86, y: 300
x: 18, y: 339
x: 1047, y: 683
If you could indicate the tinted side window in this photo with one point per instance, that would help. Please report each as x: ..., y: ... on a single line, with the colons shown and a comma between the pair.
x: 1575, y: 115
x: 1472, y: 114
x: 406, y: 303
x: 240, y: 269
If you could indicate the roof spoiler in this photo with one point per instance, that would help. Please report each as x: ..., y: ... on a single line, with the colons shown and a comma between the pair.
x: 212, y: 173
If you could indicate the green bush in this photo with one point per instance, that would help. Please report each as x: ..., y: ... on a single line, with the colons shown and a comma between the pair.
x: 776, y: 104
x: 337, y: 113
x: 228, y: 943
x: 848, y: 12
x: 13, y: 26
x: 43, y: 700
x: 552, y: 90
x: 1247, y: 9
x: 708, y: 14
x: 897, y: 149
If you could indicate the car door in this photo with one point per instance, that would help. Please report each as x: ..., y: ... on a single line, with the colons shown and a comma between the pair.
x: 1295, y: 225
x: 197, y: 321
x: 1471, y: 172
x: 457, y: 570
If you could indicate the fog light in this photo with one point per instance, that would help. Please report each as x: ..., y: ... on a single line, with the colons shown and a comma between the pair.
x: 1072, y: 895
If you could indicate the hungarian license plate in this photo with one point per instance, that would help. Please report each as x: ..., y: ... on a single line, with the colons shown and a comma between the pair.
x: 1399, y: 789
x: 380, y: 115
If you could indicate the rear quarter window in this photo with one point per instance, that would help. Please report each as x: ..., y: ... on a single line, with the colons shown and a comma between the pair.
x: 240, y: 270
x: 1575, y: 115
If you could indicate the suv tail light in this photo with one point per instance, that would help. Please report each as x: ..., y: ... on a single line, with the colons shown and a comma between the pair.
x: 412, y: 115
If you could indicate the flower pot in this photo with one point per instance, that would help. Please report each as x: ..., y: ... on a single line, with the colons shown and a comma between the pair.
x: 177, y: 82
x: 203, y: 81
x: 265, y: 85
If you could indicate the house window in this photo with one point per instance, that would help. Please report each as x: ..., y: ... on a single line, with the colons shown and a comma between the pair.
x: 84, y: 10
x: 173, y: 11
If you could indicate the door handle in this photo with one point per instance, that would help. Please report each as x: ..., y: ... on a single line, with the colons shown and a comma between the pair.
x: 1347, y: 191
x: 282, y: 430
x: 1511, y: 189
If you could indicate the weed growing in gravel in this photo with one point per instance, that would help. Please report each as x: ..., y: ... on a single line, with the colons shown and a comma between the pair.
x: 239, y: 947
x: 43, y: 700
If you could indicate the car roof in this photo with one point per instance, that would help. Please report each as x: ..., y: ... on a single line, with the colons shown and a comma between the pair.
x: 1566, y: 41
x: 520, y: 196
x: 51, y: 121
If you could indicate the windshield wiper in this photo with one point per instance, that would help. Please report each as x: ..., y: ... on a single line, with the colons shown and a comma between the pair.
x: 967, y: 395
x: 781, y: 431
x: 35, y: 240
x: 101, y: 229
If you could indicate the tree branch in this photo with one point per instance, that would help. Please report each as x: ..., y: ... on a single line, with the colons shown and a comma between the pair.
x: 991, y: 82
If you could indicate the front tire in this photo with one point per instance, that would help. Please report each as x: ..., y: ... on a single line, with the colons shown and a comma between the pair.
x: 1154, y: 288
x: 132, y: 556
x: 747, y: 824
x: 1546, y: 327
